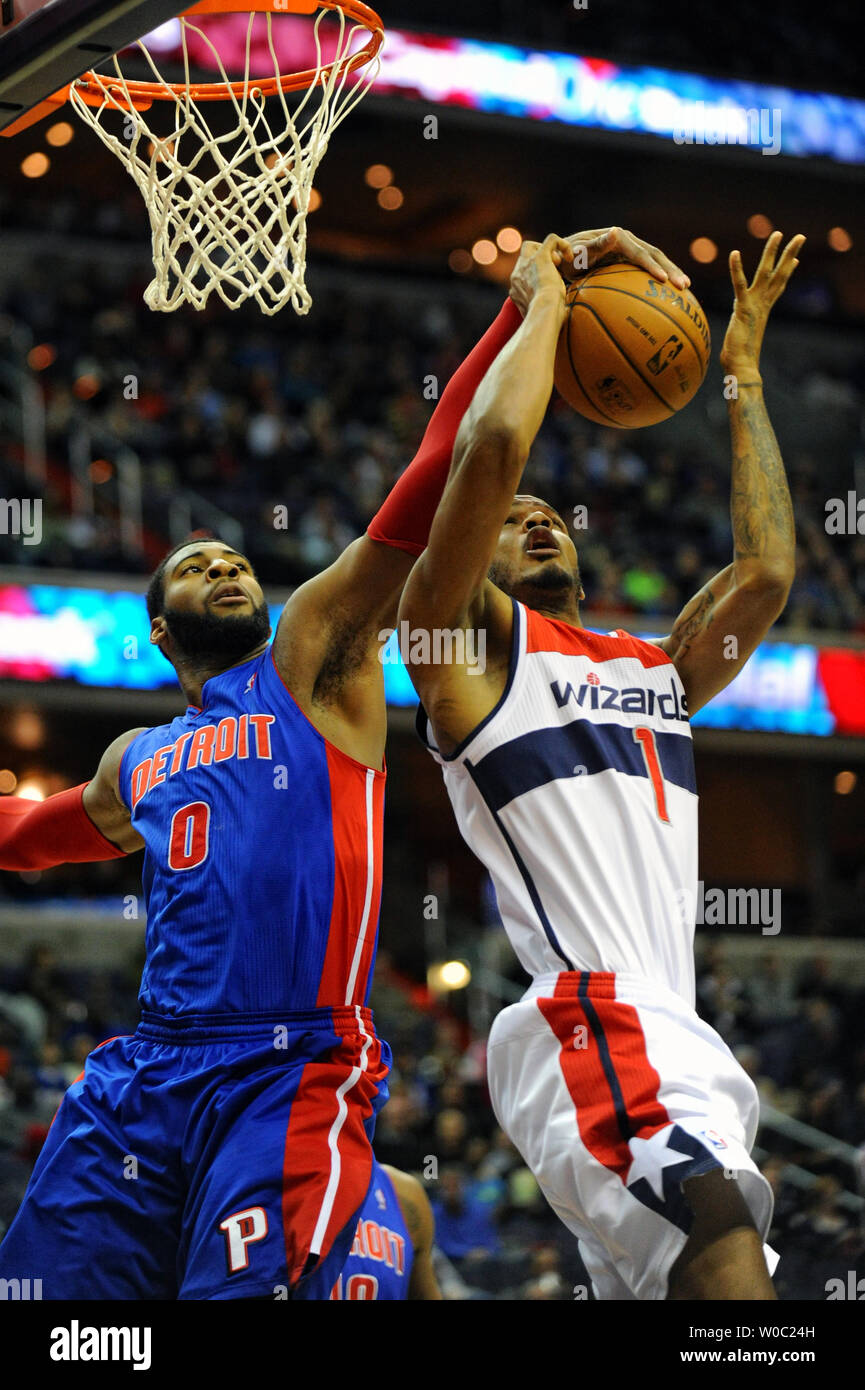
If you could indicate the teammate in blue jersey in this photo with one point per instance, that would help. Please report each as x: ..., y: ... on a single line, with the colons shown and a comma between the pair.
x: 391, y: 1254
x: 223, y: 1150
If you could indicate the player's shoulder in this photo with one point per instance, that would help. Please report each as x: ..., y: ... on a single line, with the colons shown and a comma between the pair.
x: 103, y: 792
x: 659, y: 643
x: 113, y: 754
x: 414, y: 1204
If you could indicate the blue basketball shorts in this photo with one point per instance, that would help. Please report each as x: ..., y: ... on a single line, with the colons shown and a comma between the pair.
x: 206, y: 1160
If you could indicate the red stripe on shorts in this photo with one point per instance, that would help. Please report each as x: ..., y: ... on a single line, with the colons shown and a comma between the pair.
x: 586, y: 1069
x: 321, y: 1141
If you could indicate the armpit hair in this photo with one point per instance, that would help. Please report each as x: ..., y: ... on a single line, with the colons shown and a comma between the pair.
x: 346, y: 654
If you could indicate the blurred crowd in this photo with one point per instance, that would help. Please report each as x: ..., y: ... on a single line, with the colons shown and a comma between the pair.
x: 798, y: 1034
x: 297, y: 429
x: 496, y: 1238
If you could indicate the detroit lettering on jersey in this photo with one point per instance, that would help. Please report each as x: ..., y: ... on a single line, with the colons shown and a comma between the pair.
x: 213, y: 743
x: 578, y: 794
x: 380, y: 1259
x: 262, y: 864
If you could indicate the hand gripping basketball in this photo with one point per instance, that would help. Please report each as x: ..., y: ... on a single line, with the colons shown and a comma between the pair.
x: 609, y: 245
x: 540, y: 267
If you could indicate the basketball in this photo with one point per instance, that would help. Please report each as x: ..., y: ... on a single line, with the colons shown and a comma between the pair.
x: 633, y: 349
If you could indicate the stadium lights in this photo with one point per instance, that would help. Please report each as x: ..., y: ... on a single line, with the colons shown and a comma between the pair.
x: 86, y: 386
x: 31, y: 790
x: 485, y: 251
x: 390, y: 198
x: 839, y: 239
x: 448, y: 975
x: 703, y: 249
x: 27, y: 729
x: 508, y: 239
x: 41, y: 356
x: 460, y: 260
x: 61, y: 133
x: 759, y: 226
x: 35, y: 165
x: 378, y: 176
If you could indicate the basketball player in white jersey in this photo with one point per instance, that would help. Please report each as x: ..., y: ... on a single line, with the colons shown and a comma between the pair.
x: 567, y: 756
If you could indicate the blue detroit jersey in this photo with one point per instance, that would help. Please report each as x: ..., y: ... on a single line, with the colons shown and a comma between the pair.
x: 262, y: 866
x: 380, y: 1260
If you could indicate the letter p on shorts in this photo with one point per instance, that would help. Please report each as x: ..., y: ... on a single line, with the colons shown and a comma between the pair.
x: 241, y: 1229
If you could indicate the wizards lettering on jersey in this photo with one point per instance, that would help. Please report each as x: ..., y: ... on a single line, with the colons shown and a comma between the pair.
x: 245, y: 737
x: 634, y: 699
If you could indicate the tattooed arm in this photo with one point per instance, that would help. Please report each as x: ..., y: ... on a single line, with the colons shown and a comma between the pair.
x: 720, y: 627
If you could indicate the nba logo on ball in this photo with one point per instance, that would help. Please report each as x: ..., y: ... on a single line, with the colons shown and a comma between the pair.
x: 665, y: 354
x: 633, y: 350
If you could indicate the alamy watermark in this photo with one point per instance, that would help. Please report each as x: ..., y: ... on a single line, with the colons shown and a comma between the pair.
x: 22, y: 516
x: 723, y: 124
x: 77, y: 1343
x: 20, y: 1290
x: 438, y: 646
x: 732, y: 907
x: 845, y: 516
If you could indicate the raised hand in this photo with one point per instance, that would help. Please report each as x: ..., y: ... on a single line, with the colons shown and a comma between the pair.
x: 606, y: 245
x: 744, y: 337
x: 539, y: 269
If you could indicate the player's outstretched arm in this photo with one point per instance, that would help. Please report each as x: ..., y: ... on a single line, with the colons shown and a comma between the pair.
x: 415, y: 1207
x: 721, y: 626
x: 364, y: 585
x: 86, y: 824
x: 448, y: 588
x: 330, y: 637
x: 360, y: 590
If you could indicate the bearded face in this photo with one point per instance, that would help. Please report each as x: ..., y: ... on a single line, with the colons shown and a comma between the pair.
x: 210, y: 637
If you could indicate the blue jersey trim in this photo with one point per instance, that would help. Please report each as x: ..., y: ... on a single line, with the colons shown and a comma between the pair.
x: 604, y: 1052
x: 542, y: 756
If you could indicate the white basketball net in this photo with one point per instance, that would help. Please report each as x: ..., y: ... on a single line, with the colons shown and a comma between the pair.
x: 228, y: 212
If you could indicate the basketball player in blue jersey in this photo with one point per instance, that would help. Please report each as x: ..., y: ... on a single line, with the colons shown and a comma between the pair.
x: 567, y: 757
x: 223, y: 1150
x: 391, y: 1256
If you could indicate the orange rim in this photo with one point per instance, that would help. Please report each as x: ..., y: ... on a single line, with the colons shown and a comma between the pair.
x: 94, y: 89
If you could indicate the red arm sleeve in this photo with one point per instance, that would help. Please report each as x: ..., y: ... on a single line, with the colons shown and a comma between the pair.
x: 405, y: 517
x: 58, y: 830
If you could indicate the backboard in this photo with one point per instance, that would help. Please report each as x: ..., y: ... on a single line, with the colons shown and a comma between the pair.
x: 62, y: 39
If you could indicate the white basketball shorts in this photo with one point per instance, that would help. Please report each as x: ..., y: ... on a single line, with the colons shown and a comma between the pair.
x: 615, y: 1092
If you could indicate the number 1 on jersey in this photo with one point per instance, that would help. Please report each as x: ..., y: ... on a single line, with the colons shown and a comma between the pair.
x: 646, y: 739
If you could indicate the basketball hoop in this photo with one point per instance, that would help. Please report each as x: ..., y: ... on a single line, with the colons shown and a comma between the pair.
x: 228, y: 211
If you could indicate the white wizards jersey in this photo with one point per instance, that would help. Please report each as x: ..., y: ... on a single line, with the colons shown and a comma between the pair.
x: 578, y: 794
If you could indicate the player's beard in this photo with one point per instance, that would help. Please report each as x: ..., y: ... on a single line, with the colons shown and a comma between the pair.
x: 204, y: 636
x: 552, y: 583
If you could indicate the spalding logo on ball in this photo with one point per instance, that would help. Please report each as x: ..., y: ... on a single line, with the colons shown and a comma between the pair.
x: 633, y: 349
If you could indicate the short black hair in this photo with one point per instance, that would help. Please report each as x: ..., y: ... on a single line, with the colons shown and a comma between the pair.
x: 156, y: 587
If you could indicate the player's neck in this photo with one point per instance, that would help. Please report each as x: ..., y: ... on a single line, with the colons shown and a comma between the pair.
x: 566, y: 611
x: 193, y: 672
